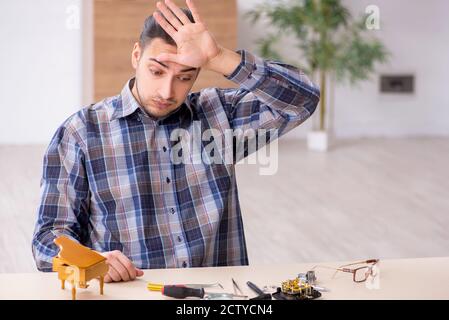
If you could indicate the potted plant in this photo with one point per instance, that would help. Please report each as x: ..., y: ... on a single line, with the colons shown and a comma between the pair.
x: 330, y: 41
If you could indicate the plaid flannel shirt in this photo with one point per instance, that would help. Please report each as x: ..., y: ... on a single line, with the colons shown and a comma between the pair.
x: 109, y: 183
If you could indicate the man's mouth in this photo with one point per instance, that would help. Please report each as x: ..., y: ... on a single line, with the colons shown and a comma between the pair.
x: 161, y: 105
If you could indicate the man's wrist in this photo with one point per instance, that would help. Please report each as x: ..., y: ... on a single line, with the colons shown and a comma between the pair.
x: 225, y: 62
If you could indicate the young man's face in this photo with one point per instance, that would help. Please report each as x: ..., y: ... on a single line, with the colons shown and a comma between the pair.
x: 161, y: 86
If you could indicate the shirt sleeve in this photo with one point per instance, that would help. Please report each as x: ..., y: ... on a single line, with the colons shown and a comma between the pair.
x: 272, y: 95
x: 63, y: 207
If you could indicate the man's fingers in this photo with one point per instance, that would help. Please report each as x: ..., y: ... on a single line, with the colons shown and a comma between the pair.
x: 174, y: 21
x: 194, y: 10
x: 120, y: 269
x: 164, y: 24
x: 139, y: 272
x: 129, y: 266
x: 108, y: 278
x: 178, y: 12
x: 114, y: 274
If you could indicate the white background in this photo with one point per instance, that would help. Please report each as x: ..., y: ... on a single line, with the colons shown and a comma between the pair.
x: 43, y: 75
x: 415, y: 32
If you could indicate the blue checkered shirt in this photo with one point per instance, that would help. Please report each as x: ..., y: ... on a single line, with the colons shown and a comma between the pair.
x: 109, y: 183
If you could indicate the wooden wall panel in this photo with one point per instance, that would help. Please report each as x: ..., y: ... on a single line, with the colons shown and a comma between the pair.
x: 117, y: 26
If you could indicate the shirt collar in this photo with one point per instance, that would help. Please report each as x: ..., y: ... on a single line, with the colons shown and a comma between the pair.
x: 129, y: 105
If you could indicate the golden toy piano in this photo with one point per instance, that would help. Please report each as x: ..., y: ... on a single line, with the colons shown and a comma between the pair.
x: 78, y: 264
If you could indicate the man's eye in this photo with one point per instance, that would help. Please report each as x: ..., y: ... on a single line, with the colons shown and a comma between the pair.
x: 185, y: 79
x: 155, y: 72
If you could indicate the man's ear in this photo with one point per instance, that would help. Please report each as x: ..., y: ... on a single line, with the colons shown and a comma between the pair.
x: 136, y: 55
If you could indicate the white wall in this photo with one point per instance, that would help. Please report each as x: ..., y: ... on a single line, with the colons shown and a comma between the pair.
x: 416, y: 33
x: 41, y: 79
x: 46, y: 74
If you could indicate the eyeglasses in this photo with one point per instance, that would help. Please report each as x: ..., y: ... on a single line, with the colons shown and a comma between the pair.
x: 359, y: 274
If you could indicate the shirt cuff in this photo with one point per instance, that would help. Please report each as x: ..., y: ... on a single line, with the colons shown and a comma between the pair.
x: 251, y: 71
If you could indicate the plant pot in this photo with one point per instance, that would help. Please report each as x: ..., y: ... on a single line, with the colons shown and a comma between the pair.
x: 317, y: 140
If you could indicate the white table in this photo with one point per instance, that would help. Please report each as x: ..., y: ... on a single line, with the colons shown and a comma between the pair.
x: 424, y: 278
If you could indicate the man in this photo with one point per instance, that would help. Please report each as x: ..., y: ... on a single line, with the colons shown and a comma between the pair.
x: 109, y: 179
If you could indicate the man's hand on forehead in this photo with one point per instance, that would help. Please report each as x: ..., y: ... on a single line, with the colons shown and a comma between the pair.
x: 196, y: 47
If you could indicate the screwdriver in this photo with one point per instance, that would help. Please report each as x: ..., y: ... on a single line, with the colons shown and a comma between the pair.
x: 261, y: 295
x: 181, y: 292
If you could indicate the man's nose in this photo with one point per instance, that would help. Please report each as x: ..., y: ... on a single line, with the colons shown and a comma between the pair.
x: 166, y: 90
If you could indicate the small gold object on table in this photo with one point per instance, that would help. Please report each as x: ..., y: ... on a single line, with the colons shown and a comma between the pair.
x: 78, y: 265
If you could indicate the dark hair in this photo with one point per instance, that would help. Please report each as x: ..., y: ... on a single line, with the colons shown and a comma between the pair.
x: 152, y: 29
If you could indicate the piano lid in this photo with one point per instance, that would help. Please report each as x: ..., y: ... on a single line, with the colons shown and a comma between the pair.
x: 76, y: 254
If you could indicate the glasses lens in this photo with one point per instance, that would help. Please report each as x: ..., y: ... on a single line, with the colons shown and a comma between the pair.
x: 362, y: 274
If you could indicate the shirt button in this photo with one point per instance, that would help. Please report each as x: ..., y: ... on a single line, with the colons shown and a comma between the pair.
x: 179, y: 239
x: 168, y: 180
x: 172, y: 210
x: 164, y: 148
x: 184, y: 264
x: 139, y: 119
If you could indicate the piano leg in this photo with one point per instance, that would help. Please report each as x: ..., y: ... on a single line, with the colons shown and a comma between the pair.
x: 101, y: 284
x: 73, y: 291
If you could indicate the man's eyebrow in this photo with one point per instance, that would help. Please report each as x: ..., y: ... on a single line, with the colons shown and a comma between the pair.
x: 188, y: 69
x: 164, y: 65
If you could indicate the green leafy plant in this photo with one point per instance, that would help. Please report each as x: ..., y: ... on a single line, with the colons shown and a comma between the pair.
x: 329, y: 39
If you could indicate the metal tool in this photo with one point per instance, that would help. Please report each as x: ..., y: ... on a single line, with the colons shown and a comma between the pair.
x: 182, y: 292
x: 236, y: 287
x: 203, y: 285
x: 321, y: 289
x: 261, y: 295
x: 158, y: 287
x: 308, y: 277
x: 222, y: 296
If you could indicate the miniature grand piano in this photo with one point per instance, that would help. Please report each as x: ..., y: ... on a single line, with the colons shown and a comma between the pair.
x: 78, y: 264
